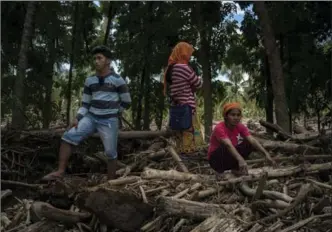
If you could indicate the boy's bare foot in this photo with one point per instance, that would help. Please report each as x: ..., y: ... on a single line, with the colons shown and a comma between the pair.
x: 53, y: 176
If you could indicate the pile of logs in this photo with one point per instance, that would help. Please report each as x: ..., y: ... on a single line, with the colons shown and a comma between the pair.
x: 158, y: 190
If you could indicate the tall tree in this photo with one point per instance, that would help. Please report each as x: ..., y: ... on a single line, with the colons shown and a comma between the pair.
x: 71, y: 62
x: 18, y: 118
x: 277, y: 79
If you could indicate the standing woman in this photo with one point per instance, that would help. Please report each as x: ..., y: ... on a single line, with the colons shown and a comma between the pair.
x: 182, y: 83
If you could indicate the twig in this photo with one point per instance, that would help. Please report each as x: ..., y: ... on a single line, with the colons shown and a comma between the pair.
x: 326, y: 186
x: 178, y: 225
x: 304, y: 222
x: 145, y: 200
x: 6, y: 193
x: 34, y: 186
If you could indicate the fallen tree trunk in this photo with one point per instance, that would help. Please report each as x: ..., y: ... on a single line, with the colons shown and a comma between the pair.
x: 303, y: 137
x: 122, y: 134
x: 254, y: 174
x: 288, y: 147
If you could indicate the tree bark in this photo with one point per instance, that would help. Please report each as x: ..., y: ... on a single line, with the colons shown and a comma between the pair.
x: 18, y: 118
x: 147, y: 79
x: 276, y: 71
x: 206, y: 66
x: 269, y: 93
x: 110, y: 17
x: 192, y: 209
x: 138, y: 117
x: 47, y: 108
x: 70, y: 77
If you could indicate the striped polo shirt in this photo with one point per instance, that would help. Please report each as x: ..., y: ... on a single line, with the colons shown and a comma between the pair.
x: 184, y: 84
x: 104, y: 100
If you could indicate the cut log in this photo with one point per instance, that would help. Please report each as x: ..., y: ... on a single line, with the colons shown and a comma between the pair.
x: 321, y: 140
x: 275, y: 128
x: 120, y: 210
x: 289, y: 147
x: 219, y: 223
x: 256, y: 228
x: 267, y: 203
x: 299, y: 129
x: 254, y: 174
x: 274, y: 195
x: 177, y: 159
x: 294, y: 158
x: 302, y: 194
x: 304, y: 222
x: 122, y: 134
x: 157, y: 155
x: 149, y: 173
x: 193, y: 209
x: 120, y: 181
x: 40, y: 210
x: 303, y: 137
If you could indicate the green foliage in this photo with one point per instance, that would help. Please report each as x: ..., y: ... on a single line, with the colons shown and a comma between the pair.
x: 141, y: 38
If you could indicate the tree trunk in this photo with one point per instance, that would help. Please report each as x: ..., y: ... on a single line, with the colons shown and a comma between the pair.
x: 206, y: 66
x: 110, y: 16
x: 160, y: 108
x: 147, y: 84
x: 18, y: 118
x: 139, y: 102
x: 276, y: 71
x: 70, y: 77
x: 269, y: 93
x: 47, y: 108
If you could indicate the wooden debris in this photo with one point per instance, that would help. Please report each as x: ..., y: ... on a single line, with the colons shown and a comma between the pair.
x: 177, y: 159
x: 150, y: 195
x: 42, y: 210
x: 6, y: 193
x: 118, y: 209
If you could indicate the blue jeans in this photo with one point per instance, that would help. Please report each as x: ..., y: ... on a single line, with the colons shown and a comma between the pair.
x: 106, y: 127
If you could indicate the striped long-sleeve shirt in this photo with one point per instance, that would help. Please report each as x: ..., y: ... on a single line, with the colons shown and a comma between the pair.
x: 184, y: 85
x: 104, y: 100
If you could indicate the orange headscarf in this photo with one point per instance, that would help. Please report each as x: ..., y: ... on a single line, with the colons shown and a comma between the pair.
x: 181, y: 54
x: 231, y: 106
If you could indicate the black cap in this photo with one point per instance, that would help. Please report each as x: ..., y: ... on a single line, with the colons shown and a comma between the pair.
x: 102, y: 50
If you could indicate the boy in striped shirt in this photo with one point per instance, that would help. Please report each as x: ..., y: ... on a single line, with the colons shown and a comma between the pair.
x: 105, y: 96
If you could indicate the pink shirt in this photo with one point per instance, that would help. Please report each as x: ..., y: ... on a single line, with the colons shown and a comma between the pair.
x: 221, y: 131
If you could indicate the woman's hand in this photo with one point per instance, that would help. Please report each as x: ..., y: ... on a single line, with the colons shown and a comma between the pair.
x: 243, y: 167
x: 271, y: 161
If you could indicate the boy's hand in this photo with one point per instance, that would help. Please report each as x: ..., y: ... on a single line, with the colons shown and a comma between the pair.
x: 74, y: 123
